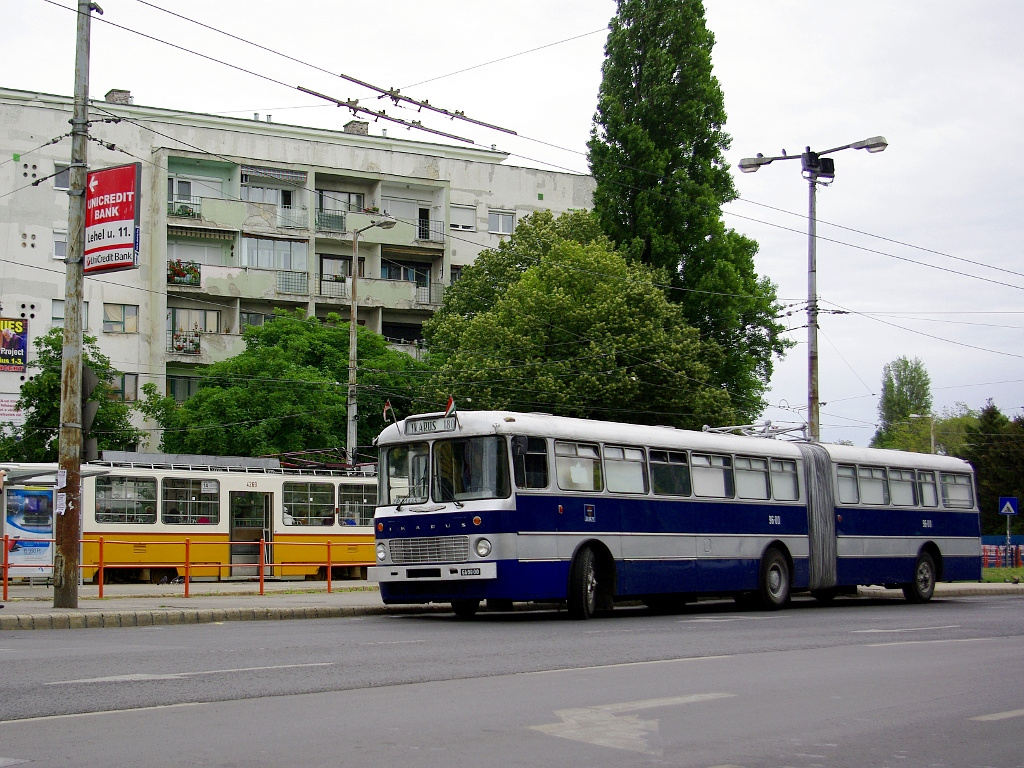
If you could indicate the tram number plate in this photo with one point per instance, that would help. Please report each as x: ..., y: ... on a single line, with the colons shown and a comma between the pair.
x: 469, y: 572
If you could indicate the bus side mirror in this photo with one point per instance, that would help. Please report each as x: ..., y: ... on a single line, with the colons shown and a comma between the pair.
x: 518, y: 445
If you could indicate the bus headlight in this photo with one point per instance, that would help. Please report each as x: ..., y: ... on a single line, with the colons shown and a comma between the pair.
x: 483, y: 547
x: 382, y: 552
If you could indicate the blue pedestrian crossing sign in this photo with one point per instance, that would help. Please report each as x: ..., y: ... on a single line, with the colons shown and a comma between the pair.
x: 1008, y: 505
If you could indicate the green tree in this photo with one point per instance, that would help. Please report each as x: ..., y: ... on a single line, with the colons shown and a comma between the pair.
x: 906, y: 390
x: 37, y: 440
x: 950, y: 432
x: 567, y: 327
x: 995, y: 446
x: 287, y: 392
x: 656, y: 152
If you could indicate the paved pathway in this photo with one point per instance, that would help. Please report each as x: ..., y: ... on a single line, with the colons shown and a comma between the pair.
x: 137, y: 605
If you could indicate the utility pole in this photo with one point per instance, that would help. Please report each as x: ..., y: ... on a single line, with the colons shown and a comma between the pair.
x: 68, y: 529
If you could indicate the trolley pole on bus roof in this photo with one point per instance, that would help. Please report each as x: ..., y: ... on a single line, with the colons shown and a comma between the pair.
x: 817, y: 170
x: 68, y: 506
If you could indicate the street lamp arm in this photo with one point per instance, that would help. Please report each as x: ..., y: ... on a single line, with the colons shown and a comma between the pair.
x: 872, y: 145
x: 751, y: 164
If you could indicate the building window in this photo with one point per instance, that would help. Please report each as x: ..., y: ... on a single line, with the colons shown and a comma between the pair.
x: 181, y: 388
x: 63, y: 178
x: 501, y: 222
x: 205, y: 320
x: 125, y: 387
x: 456, y: 274
x: 57, y: 314
x: 463, y: 217
x: 266, y: 253
x: 179, y: 189
x: 120, y: 318
x: 330, y: 200
x: 245, y: 319
x: 200, y: 253
x: 60, y: 245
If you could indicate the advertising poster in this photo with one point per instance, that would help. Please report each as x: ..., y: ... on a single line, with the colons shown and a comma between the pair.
x: 9, y: 412
x: 28, y: 526
x: 13, y: 344
x: 112, y: 213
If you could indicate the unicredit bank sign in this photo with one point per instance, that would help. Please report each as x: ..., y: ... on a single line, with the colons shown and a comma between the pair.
x: 112, y: 218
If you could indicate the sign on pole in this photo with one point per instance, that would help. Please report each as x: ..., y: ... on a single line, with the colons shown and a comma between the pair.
x: 1008, y: 505
x: 112, y: 219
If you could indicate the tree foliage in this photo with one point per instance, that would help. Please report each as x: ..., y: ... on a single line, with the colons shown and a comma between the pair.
x: 995, y: 446
x: 656, y: 152
x: 37, y: 440
x: 556, y: 320
x: 906, y: 390
x: 287, y: 392
x: 950, y: 432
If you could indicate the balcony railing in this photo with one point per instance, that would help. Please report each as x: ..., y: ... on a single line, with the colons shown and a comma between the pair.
x: 189, y: 208
x: 292, y: 217
x: 334, y: 286
x: 330, y: 221
x: 183, y: 272
x: 293, y: 282
x: 430, y: 230
x: 184, y: 342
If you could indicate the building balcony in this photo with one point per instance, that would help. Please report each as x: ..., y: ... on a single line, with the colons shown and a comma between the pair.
x: 185, y: 208
x: 184, y: 342
x: 400, y: 294
x: 330, y: 221
x: 183, y: 272
x: 333, y: 286
x: 431, y: 231
x: 296, y: 283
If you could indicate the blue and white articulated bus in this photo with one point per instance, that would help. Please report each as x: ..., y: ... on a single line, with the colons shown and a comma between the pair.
x: 502, y: 507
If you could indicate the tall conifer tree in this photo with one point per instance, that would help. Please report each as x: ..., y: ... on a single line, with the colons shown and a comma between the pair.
x: 656, y: 151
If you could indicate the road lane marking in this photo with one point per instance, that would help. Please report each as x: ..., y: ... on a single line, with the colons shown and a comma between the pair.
x: 925, y: 642
x: 906, y: 629
x: 623, y: 664
x: 603, y: 727
x: 1000, y: 715
x: 722, y: 619
x: 143, y: 676
x: 394, y: 642
x: 101, y: 712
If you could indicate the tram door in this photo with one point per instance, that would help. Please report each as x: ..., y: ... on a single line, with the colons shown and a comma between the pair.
x: 250, y: 522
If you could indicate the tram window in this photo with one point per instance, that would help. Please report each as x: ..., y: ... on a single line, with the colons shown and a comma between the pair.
x: 712, y: 475
x: 670, y: 473
x: 624, y: 469
x: 577, y: 466
x: 873, y: 486
x: 752, y: 478
x: 308, y: 503
x: 471, y: 468
x: 188, y: 501
x: 956, y: 490
x: 404, y: 475
x: 846, y: 476
x: 530, y: 462
x: 785, y: 485
x: 926, y: 489
x: 903, y: 487
x: 125, y: 499
x: 355, y: 504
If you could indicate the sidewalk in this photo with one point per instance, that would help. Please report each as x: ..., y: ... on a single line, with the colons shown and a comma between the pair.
x: 141, y: 605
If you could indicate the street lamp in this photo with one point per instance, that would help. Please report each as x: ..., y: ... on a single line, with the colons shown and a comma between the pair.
x: 817, y: 169
x: 385, y: 222
x: 931, y: 419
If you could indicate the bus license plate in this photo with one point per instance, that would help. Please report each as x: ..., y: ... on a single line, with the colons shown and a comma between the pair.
x: 469, y: 572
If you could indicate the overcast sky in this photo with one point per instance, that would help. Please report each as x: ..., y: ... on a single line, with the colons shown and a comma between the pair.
x: 941, y: 80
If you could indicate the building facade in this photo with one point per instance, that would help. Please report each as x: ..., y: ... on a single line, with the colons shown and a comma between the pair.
x: 241, y: 217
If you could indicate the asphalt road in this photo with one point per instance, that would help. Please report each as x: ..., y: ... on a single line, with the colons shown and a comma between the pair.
x: 857, y: 683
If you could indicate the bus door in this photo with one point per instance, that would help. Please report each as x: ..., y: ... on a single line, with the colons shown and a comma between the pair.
x: 250, y: 522
x: 821, y: 515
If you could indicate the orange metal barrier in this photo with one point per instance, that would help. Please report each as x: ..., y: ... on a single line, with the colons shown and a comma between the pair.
x: 188, y: 563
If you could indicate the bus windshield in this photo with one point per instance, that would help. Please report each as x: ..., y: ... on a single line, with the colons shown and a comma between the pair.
x: 473, y: 468
x: 404, y: 475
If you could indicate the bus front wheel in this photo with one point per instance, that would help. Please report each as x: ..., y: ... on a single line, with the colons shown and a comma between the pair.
x: 775, y: 580
x: 920, y: 590
x: 582, y: 601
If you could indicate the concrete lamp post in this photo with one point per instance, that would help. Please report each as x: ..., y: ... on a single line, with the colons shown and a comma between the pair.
x: 384, y: 222
x: 817, y: 169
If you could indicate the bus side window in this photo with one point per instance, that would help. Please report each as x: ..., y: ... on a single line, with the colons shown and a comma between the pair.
x: 874, y: 488
x: 670, y: 473
x: 902, y: 487
x: 846, y: 475
x: 624, y: 469
x: 752, y: 478
x: 712, y: 475
x: 926, y: 489
x: 785, y: 485
x: 578, y: 466
x: 530, y: 461
x: 957, y: 491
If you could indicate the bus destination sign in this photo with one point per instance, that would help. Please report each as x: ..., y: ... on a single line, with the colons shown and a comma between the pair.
x: 428, y: 426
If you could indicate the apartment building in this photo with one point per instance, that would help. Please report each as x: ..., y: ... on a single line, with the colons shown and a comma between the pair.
x: 244, y: 216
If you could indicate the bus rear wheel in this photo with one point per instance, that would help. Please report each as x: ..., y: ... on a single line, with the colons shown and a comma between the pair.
x: 582, y: 600
x: 465, y: 609
x: 775, y: 580
x: 921, y: 589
